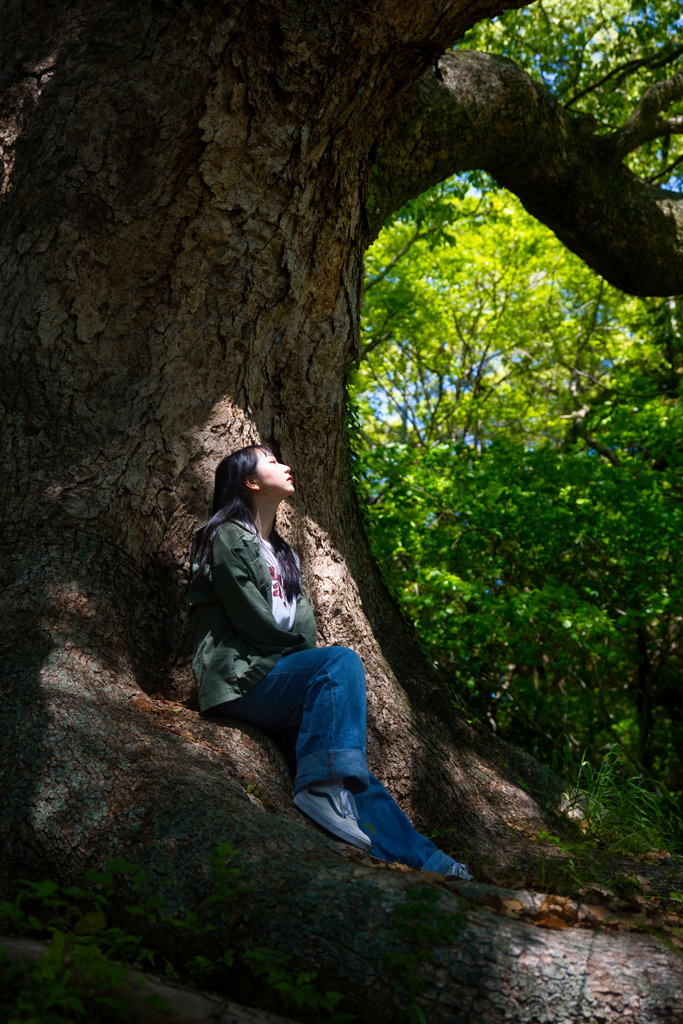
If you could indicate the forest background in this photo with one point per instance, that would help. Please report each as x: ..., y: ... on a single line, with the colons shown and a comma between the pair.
x: 517, y: 429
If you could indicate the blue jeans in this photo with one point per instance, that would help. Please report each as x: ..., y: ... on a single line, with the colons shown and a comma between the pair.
x: 322, y: 693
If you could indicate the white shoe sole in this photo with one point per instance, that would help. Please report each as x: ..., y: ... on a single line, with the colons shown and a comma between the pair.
x: 338, y: 829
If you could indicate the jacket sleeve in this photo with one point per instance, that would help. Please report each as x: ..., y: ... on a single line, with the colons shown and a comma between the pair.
x: 245, y: 605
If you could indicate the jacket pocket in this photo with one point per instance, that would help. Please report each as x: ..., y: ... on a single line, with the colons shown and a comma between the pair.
x: 215, y: 657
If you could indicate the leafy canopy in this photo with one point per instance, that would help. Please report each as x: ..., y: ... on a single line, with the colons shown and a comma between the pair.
x: 519, y: 431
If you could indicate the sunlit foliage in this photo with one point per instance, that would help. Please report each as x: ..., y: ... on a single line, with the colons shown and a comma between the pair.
x: 521, y: 437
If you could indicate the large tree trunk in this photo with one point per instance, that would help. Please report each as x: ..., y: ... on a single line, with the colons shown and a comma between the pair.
x: 183, y: 218
x: 182, y: 254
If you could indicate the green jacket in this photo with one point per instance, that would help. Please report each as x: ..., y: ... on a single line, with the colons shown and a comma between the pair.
x: 236, y: 638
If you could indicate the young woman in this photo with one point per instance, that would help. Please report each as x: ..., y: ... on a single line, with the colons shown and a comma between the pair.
x: 255, y: 659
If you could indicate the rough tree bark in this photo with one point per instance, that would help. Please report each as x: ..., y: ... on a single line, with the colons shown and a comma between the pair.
x: 184, y: 210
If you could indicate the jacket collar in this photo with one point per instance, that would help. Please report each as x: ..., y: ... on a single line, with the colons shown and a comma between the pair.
x: 240, y: 536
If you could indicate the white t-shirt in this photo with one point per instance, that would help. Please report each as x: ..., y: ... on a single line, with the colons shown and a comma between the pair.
x: 283, y: 611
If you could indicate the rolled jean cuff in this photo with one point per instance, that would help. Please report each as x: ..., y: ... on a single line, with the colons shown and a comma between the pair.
x: 438, y: 862
x: 351, y: 765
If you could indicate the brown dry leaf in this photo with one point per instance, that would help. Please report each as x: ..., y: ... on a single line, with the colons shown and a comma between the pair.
x: 643, y: 903
x: 550, y: 921
x: 600, y: 914
x: 512, y: 904
x: 645, y: 883
x: 394, y: 865
x: 559, y: 906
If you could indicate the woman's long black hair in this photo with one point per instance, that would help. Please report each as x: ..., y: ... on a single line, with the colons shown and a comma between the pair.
x: 231, y: 504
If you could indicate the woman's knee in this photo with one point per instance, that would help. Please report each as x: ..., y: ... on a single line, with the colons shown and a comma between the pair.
x: 346, y: 673
x: 347, y: 661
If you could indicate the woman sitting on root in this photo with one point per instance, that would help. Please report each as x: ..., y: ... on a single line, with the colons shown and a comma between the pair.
x: 255, y: 659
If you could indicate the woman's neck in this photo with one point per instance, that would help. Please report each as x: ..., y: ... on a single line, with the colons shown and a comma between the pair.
x: 264, y: 517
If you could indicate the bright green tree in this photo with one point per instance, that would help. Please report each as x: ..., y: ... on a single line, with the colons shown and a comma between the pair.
x: 521, y: 432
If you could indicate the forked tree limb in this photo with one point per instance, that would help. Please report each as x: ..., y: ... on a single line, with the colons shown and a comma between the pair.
x: 645, y: 124
x: 488, y: 114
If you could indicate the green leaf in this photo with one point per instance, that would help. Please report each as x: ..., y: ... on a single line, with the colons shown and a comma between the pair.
x: 90, y: 923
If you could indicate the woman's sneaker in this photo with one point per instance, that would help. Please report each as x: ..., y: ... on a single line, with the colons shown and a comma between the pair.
x: 457, y: 870
x: 334, y: 808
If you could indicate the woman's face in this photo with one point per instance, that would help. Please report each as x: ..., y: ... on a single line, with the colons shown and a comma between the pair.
x: 271, y: 481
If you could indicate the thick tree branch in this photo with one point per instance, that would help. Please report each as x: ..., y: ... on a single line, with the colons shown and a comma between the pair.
x: 645, y: 124
x: 488, y: 114
x: 579, y: 419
